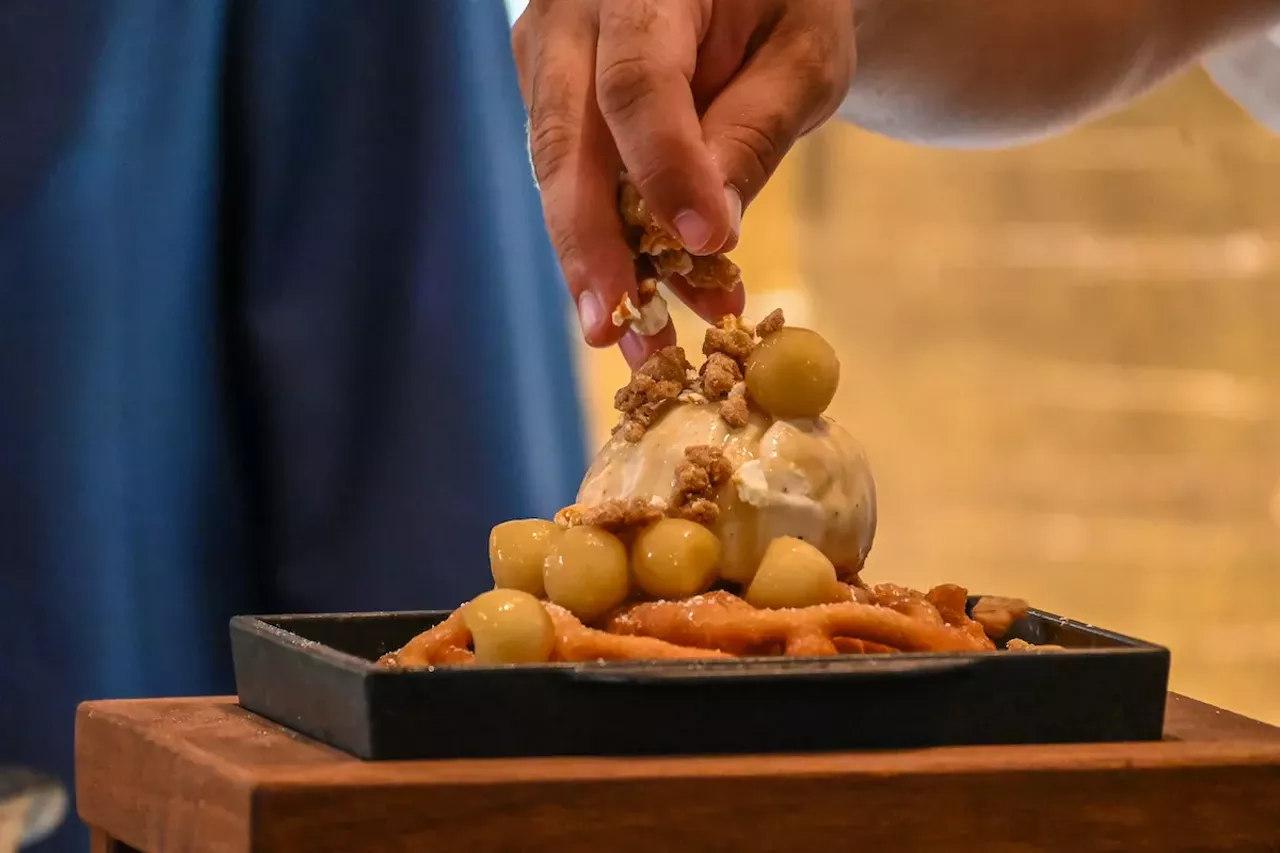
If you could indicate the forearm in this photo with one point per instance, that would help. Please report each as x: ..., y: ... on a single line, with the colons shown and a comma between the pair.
x: 976, y: 73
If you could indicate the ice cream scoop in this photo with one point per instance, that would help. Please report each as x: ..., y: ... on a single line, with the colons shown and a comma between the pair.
x: 808, y: 479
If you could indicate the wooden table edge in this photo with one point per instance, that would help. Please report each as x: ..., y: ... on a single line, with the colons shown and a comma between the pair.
x: 1264, y: 749
x: 231, y: 801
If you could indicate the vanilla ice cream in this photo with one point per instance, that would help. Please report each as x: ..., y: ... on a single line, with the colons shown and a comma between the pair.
x: 804, y: 478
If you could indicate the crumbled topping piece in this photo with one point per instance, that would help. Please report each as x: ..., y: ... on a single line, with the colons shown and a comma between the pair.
x: 669, y: 262
x: 727, y: 348
x: 690, y: 396
x: 659, y: 380
x: 700, y: 511
x: 734, y: 410
x: 667, y: 375
x: 734, y: 343
x: 647, y: 290
x: 644, y: 389
x: 668, y: 363
x: 650, y: 317
x: 699, y: 477
x: 647, y: 237
x: 718, y: 375
x: 712, y: 460
x: 659, y: 243
x: 626, y: 312
x: 632, y: 429
x: 615, y: 516
x: 635, y: 213
x: 712, y: 272
x: 996, y: 614
x: 770, y: 324
x: 1017, y: 645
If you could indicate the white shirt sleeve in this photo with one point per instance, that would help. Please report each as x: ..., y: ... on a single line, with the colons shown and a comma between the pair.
x: 1250, y: 73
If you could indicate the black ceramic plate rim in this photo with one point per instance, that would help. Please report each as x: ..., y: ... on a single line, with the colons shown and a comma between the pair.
x: 284, y: 637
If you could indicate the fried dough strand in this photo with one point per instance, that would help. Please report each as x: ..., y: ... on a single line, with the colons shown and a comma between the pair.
x: 882, y: 620
x: 721, y: 620
x: 448, y: 643
x: 443, y: 643
x: 577, y: 642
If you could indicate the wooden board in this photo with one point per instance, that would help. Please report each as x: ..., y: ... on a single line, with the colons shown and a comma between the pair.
x: 204, y: 775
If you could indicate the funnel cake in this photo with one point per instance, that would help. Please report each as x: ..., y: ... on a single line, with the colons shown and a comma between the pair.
x: 725, y: 517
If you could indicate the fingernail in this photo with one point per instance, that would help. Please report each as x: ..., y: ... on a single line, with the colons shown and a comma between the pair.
x: 694, y: 231
x: 633, y: 348
x: 734, y: 201
x: 590, y: 313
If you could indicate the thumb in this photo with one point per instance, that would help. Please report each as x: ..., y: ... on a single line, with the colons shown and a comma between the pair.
x: 647, y: 55
x: 787, y: 89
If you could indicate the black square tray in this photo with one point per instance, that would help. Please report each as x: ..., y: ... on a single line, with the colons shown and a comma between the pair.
x: 316, y: 675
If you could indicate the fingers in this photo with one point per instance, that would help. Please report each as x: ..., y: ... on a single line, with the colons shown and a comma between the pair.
x: 793, y: 83
x: 647, y: 55
x: 636, y: 347
x: 575, y: 163
x: 709, y: 303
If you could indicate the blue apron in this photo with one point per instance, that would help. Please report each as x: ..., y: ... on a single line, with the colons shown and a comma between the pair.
x: 280, y: 330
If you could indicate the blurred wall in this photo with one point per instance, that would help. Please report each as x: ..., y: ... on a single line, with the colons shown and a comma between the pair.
x: 1065, y: 362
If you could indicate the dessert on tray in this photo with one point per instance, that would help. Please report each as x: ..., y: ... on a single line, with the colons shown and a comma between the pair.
x: 726, y: 517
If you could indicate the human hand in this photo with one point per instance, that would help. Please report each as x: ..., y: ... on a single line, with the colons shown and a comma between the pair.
x: 697, y: 100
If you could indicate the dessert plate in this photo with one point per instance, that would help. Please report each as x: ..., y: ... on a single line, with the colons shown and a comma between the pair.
x: 316, y: 674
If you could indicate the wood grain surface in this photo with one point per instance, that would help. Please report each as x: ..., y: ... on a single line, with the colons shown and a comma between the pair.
x: 204, y: 775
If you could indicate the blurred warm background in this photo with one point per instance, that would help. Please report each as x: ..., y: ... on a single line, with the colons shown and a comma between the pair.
x: 1065, y: 362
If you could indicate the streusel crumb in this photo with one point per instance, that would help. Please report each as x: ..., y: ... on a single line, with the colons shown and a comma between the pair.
x: 667, y: 363
x: 615, y: 516
x: 647, y: 237
x: 735, y: 343
x: 699, y: 477
x: 661, y: 379
x: 718, y: 375
x: 770, y: 324
x: 734, y: 410
x: 713, y: 272
x: 700, y: 511
x: 669, y: 262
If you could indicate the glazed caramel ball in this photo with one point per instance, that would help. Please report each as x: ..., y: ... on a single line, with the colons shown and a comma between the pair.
x: 793, y: 573
x: 586, y: 572
x: 509, y: 626
x: 793, y: 373
x: 675, y: 558
x: 517, y: 552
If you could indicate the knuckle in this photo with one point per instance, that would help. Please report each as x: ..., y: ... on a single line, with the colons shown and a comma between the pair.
x: 551, y: 145
x: 665, y: 180
x: 624, y: 84
x: 660, y: 174
x: 760, y: 149
x: 819, y: 64
x: 552, y: 122
x: 629, y: 18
